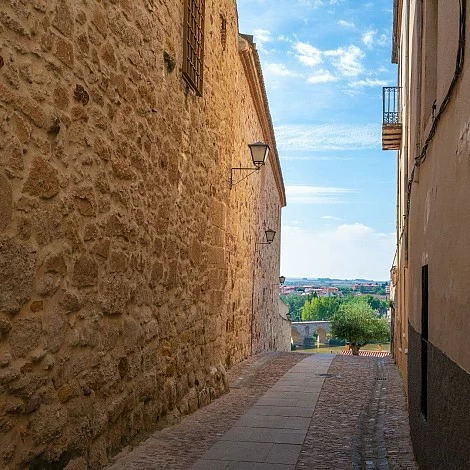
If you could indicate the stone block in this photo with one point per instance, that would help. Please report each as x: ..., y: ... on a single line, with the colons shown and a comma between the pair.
x: 125, y: 32
x: 118, y: 262
x: 54, y: 327
x: 216, y: 255
x: 8, y: 374
x: 63, y: 19
x: 47, y: 284
x: 47, y: 224
x: 218, y: 214
x: 7, y: 451
x: 24, y: 336
x: 20, y: 127
x: 115, y: 295
x: 67, y: 392
x: 11, y: 21
x: 6, y: 95
x: 5, y: 326
x: 36, y: 306
x: 101, y: 248
x: 64, y: 51
x: 12, y: 76
x: 37, y: 113
x: 17, y: 264
x: 13, y: 159
x: 48, y: 423
x: 85, y: 272
x: 5, y: 359
x: 43, y: 180
x: 56, y: 264
x: 83, y: 44
x: 70, y: 302
x: 85, y: 201
x: 38, y: 355
x: 98, y: 456
x: 108, y: 56
x: 6, y: 424
x: 6, y: 200
x: 61, y: 97
x: 99, y: 20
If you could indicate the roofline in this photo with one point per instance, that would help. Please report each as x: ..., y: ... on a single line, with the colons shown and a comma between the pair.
x: 252, y: 66
x: 397, y: 11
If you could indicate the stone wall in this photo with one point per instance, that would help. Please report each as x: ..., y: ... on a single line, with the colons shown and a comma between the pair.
x: 126, y: 262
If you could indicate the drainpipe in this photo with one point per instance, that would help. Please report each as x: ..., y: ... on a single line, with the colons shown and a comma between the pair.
x: 406, y: 156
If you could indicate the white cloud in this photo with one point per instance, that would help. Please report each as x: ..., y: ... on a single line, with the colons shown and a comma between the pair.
x: 298, y: 194
x: 312, y: 157
x: 278, y: 69
x: 371, y: 38
x: 312, y: 3
x: 347, y: 60
x: 327, y: 137
x: 383, y: 40
x: 347, y: 24
x: 368, y: 38
x: 307, y: 54
x: 345, y: 251
x: 330, y: 217
x: 261, y: 37
x: 368, y: 82
x: 284, y: 38
x: 322, y: 76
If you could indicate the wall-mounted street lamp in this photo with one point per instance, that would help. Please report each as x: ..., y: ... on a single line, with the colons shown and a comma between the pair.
x: 282, y: 279
x: 259, y: 151
x: 269, y: 233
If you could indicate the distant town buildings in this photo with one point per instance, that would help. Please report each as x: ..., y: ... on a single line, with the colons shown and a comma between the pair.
x: 331, y: 287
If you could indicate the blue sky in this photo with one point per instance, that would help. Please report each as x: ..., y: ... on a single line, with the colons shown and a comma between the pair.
x: 324, y: 64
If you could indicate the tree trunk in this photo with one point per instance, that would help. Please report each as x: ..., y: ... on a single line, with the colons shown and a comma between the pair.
x: 355, y: 349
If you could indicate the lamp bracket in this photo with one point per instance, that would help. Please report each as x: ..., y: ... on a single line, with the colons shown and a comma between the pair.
x: 253, y: 170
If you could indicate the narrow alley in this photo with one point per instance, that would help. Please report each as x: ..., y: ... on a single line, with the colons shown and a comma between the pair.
x: 291, y: 411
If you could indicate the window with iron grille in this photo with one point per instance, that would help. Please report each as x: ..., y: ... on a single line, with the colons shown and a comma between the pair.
x: 193, y: 55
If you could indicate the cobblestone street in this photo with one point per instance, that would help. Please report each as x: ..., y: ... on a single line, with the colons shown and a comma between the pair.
x: 358, y: 419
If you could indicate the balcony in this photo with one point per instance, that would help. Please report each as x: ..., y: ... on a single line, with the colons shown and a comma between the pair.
x: 391, y: 125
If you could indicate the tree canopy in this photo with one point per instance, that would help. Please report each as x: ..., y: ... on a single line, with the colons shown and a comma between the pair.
x: 320, y: 308
x: 379, y: 305
x: 357, y: 323
x: 295, y: 303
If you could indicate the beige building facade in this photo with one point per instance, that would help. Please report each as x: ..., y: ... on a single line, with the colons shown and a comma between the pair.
x: 131, y: 274
x: 431, y: 272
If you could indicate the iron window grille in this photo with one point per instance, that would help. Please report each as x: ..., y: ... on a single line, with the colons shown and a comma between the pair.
x: 193, y: 54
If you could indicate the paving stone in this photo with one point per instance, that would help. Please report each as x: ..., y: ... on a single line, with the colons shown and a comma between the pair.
x: 284, y: 454
x: 357, y: 422
x: 239, y: 451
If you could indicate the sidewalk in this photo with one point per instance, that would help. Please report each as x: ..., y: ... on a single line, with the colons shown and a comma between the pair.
x: 287, y: 411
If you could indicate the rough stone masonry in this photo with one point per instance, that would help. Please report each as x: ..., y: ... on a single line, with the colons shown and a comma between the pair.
x: 126, y: 262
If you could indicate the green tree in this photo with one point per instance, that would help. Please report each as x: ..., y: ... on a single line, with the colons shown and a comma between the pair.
x: 357, y: 323
x: 295, y: 302
x: 378, y: 305
x: 320, y: 308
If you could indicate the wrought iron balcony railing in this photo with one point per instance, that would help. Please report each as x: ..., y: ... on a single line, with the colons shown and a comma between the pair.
x: 391, y: 125
x: 391, y: 105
